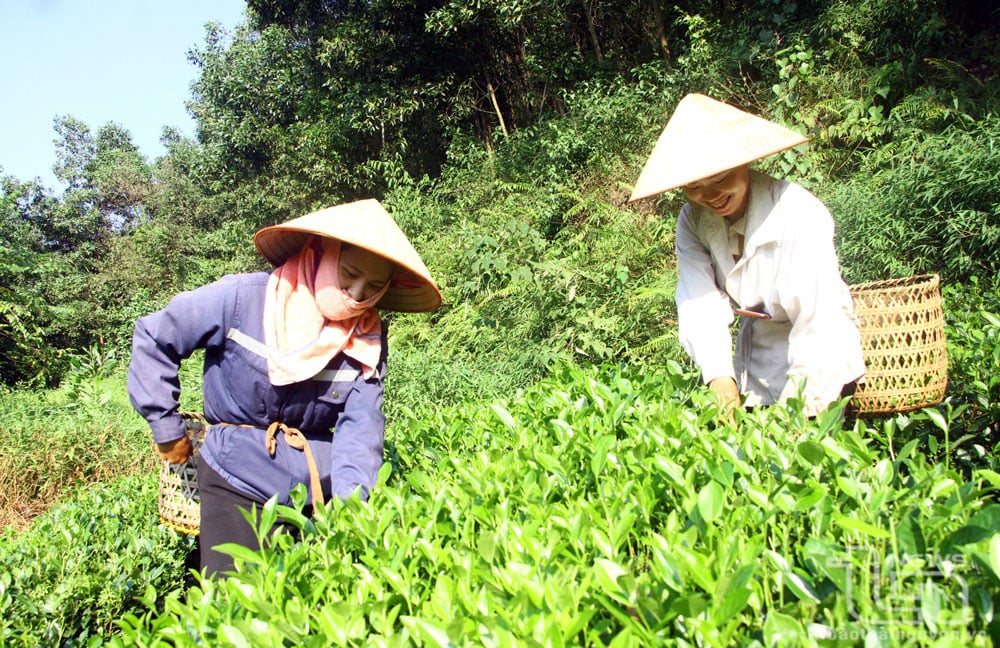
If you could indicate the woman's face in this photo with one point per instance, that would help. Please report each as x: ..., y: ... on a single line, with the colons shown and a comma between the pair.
x: 725, y: 193
x: 363, y: 274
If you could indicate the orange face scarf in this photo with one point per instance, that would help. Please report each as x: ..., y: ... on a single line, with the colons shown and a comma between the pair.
x: 308, y: 319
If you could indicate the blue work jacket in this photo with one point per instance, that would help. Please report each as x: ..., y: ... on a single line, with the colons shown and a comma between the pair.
x: 338, y: 411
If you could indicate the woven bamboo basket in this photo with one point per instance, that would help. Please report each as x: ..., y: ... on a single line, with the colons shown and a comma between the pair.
x: 179, y: 502
x: 902, y: 337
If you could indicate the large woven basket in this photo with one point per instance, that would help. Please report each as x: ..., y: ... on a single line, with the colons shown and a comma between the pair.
x: 179, y: 502
x: 902, y: 337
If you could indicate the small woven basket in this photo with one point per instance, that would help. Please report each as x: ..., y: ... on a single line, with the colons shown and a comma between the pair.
x: 179, y: 502
x: 902, y: 338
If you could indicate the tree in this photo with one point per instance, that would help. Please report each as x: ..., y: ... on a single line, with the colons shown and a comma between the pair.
x: 23, y: 313
x: 108, y: 183
x: 120, y: 175
x: 75, y: 149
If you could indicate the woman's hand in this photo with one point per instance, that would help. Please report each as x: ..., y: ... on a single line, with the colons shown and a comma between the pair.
x: 175, y: 452
x: 727, y: 395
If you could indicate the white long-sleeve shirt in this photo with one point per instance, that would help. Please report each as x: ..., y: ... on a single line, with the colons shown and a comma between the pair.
x: 789, y: 270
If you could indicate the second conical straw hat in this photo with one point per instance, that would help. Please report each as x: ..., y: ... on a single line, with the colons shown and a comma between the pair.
x: 366, y: 224
x: 705, y: 137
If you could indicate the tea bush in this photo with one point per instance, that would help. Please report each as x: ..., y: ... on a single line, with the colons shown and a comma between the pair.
x: 82, y: 564
x: 611, y: 491
x: 972, y: 319
x: 606, y: 506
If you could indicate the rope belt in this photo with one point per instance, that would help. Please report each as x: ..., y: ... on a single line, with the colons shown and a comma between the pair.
x: 295, y: 439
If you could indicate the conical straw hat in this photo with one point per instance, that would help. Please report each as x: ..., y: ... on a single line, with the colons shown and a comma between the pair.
x: 367, y: 224
x: 705, y: 137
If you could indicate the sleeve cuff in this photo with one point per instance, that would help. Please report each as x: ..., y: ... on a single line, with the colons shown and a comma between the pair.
x: 168, y: 429
x: 718, y: 368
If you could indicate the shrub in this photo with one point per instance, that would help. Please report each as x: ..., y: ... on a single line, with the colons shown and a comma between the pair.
x: 973, y: 331
x: 607, y: 507
x: 82, y: 565
x: 929, y: 203
x: 54, y: 441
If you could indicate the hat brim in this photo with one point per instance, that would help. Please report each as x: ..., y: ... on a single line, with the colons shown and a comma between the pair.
x: 705, y: 137
x: 367, y: 225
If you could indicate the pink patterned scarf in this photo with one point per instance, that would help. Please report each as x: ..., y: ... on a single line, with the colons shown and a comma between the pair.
x: 308, y: 319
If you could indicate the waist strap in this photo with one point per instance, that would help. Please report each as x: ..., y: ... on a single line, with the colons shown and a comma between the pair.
x: 295, y: 439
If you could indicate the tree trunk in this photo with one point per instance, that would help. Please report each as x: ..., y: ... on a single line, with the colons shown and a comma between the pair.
x: 593, y: 30
x: 496, y: 107
x: 661, y: 29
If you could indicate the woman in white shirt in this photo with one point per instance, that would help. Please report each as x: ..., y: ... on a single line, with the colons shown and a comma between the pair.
x: 751, y: 245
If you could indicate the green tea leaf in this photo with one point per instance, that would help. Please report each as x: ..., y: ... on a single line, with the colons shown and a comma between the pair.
x: 810, y: 496
x: 783, y: 630
x: 487, y: 545
x: 966, y: 535
x: 811, y: 452
x: 504, y: 416
x: 239, y: 551
x: 722, y: 472
x: 942, y: 485
x: 834, y: 449
x: 688, y: 606
x: 233, y: 636
x: 710, y: 501
x: 268, y: 516
x: 827, y: 560
x: 603, y: 541
x: 734, y: 591
x: 937, y: 418
x: 758, y: 496
x: 665, y: 566
x: 608, y: 572
x: 799, y: 586
x: 884, y: 473
x: 624, y: 525
x: 853, y: 524
x: 989, y: 475
x: 910, y: 536
x: 430, y: 632
x: 776, y: 560
x: 907, y: 450
x: 601, y: 447
x: 994, y: 555
x: 932, y: 600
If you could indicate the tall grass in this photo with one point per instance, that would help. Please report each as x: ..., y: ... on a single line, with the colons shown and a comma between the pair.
x: 55, y: 442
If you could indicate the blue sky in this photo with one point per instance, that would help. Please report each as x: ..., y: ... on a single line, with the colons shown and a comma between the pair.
x: 101, y: 61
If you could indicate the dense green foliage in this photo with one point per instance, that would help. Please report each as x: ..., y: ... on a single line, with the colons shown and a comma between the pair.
x: 519, y: 123
x: 973, y: 332
x: 932, y: 206
x: 84, y: 563
x: 555, y: 474
x: 605, y: 507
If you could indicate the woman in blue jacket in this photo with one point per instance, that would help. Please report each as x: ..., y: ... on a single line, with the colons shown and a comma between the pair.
x: 293, y: 371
